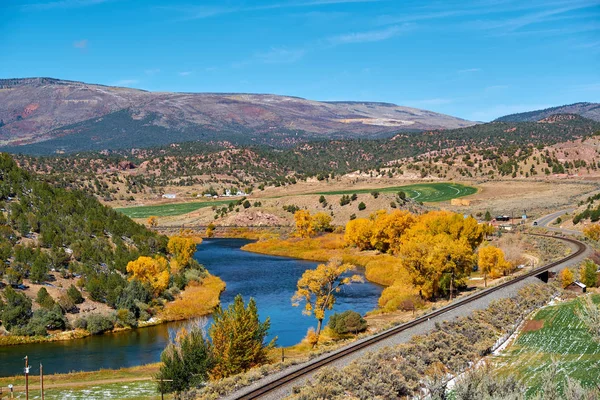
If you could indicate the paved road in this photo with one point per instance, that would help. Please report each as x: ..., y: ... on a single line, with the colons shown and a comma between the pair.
x: 544, y: 221
x: 406, y: 335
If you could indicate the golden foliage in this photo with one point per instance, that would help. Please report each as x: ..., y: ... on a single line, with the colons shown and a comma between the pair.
x: 491, y: 262
x: 400, y: 296
x: 317, y: 288
x: 566, y: 277
x: 182, y: 250
x: 304, y: 225
x: 388, y: 229
x: 321, y: 222
x: 150, y: 270
x: 198, y: 299
x: 359, y: 232
x: 592, y: 232
x: 153, y: 221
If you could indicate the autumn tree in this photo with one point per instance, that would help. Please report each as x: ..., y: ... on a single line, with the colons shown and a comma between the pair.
x: 304, y: 224
x: 491, y: 261
x: 238, y: 339
x: 588, y: 273
x: 318, y: 287
x: 358, y: 233
x: 592, y: 232
x: 321, y: 222
x: 566, y: 277
x: 182, y: 250
x: 153, y: 221
x: 153, y: 271
x: 210, y: 230
x: 387, y: 229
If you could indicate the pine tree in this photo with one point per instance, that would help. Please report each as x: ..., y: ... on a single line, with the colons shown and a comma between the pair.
x: 238, y: 339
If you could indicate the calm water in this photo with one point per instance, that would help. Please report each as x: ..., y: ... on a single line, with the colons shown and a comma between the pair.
x: 270, y: 280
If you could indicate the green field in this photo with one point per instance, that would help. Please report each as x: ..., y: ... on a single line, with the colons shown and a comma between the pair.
x: 564, y: 339
x: 166, y: 210
x: 424, y: 192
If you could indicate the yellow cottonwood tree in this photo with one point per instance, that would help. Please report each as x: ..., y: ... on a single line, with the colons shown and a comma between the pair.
x: 389, y: 228
x: 566, y: 277
x: 153, y: 271
x: 321, y: 222
x: 592, y: 232
x: 491, y: 262
x: 304, y: 224
x: 182, y: 250
x: 358, y: 233
x: 153, y: 221
x: 317, y: 288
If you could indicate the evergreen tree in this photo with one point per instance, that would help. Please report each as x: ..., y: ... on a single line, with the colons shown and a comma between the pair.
x: 238, y: 339
x: 186, y: 361
x: 75, y: 295
x: 44, y: 299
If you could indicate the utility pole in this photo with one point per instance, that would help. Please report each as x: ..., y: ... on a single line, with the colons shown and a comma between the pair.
x: 26, y: 378
x: 42, y: 380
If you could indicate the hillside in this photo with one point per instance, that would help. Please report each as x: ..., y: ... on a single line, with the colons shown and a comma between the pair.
x: 587, y: 110
x: 488, y: 150
x: 72, y: 116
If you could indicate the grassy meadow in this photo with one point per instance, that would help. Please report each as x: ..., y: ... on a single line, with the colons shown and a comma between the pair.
x: 167, y: 210
x: 425, y: 192
x: 555, y: 334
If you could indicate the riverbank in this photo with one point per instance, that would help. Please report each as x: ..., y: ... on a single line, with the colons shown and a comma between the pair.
x: 323, y: 248
x: 199, y: 299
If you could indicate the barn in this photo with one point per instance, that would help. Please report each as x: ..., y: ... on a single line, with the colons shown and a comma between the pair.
x: 577, y: 287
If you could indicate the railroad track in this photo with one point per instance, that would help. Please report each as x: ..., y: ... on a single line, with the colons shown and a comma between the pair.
x: 293, y: 375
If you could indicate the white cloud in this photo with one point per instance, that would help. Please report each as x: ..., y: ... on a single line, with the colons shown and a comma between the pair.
x: 80, y: 44
x: 185, y: 73
x: 469, y: 70
x: 152, y: 71
x: 369, y: 36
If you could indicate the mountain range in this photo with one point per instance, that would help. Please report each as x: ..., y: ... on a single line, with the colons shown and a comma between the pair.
x: 58, y: 115
x: 587, y: 110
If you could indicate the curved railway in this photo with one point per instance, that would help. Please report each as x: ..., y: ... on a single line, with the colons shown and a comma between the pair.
x: 312, y: 366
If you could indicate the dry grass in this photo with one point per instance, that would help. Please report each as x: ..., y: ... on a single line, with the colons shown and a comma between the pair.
x: 196, y: 300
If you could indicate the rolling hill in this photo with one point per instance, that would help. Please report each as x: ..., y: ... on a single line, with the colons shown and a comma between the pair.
x: 55, y: 115
x: 587, y: 110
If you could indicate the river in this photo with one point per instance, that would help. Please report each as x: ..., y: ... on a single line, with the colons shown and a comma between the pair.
x: 270, y: 280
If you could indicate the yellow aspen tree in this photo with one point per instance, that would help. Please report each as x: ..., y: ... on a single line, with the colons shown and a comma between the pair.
x: 182, y: 250
x: 304, y: 225
x: 491, y: 261
x: 153, y: 271
x: 566, y: 277
x: 358, y: 233
x: 318, y: 287
x: 153, y: 221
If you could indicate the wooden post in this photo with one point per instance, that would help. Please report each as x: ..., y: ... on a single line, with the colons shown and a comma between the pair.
x: 42, y: 380
x: 282, y: 354
x: 26, y: 378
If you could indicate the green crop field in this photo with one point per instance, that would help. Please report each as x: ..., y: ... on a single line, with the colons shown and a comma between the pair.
x: 166, y: 210
x: 564, y: 339
x: 425, y: 192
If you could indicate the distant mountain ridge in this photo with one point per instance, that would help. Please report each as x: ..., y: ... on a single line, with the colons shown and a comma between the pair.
x: 587, y: 110
x: 72, y: 116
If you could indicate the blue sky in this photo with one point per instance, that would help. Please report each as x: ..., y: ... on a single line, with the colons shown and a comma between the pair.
x: 473, y: 59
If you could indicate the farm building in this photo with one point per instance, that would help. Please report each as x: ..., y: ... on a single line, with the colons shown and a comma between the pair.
x: 169, y: 196
x: 577, y: 287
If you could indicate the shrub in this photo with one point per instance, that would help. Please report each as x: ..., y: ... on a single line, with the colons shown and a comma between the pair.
x: 347, y: 322
x: 125, y: 318
x: 97, y: 324
x: 361, y: 206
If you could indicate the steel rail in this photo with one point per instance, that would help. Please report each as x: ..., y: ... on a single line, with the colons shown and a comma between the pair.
x: 336, y: 355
